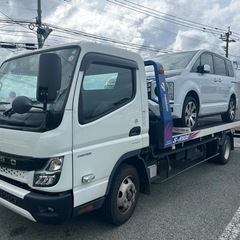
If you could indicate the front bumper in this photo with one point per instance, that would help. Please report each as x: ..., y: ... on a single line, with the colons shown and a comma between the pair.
x: 39, y: 207
x: 49, y: 209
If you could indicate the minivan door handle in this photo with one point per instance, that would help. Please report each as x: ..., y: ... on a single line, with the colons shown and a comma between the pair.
x: 135, y: 131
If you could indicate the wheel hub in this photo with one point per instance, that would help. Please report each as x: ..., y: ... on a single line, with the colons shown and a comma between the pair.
x: 190, y: 114
x: 126, y: 195
x: 232, y: 110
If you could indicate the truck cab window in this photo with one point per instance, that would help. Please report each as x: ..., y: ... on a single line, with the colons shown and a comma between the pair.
x: 104, y: 89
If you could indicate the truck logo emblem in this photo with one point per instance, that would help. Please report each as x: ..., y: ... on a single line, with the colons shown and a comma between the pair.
x: 13, y: 162
x: 163, y: 86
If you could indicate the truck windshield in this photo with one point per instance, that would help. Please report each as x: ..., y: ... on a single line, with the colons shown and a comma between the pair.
x: 18, y: 77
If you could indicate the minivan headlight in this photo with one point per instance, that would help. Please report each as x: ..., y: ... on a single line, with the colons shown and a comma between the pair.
x: 170, y: 87
x: 50, y: 174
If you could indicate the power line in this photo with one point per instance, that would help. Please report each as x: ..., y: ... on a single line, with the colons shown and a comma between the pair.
x: 176, y: 20
x: 131, y: 6
x: 12, y: 19
x: 166, y: 17
x: 94, y: 36
x: 10, y: 45
x: 130, y: 19
x: 98, y: 37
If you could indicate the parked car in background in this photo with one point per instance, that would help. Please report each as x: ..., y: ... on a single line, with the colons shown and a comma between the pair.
x: 200, y: 83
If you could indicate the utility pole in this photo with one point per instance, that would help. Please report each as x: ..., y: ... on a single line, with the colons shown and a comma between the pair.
x: 42, y: 31
x: 39, y: 23
x: 226, y: 39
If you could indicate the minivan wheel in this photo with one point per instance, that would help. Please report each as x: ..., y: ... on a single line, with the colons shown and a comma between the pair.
x: 229, y: 116
x: 189, y: 113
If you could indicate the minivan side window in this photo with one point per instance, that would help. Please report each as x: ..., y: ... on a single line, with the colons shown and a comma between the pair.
x: 205, y: 58
x: 196, y: 65
x: 219, y: 66
x: 104, y: 89
x: 230, y: 68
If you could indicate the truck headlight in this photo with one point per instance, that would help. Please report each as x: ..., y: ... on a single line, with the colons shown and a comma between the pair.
x: 170, y: 87
x: 50, y: 174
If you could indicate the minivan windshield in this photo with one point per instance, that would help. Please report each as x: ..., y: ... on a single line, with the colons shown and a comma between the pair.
x: 174, y: 61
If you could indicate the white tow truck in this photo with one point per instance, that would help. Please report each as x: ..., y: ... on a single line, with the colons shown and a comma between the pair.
x: 80, y: 129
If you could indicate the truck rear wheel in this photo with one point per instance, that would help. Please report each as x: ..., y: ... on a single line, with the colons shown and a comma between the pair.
x: 122, y: 199
x: 225, y: 151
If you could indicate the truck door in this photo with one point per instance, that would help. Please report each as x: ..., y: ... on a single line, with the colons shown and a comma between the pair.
x: 107, y: 122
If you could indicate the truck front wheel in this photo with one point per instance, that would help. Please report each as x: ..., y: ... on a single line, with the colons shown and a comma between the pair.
x: 122, y: 199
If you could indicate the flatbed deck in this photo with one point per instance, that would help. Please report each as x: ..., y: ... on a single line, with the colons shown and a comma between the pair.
x: 206, y: 126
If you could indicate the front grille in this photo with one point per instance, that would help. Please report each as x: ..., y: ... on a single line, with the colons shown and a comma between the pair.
x: 15, y: 183
x: 15, y: 174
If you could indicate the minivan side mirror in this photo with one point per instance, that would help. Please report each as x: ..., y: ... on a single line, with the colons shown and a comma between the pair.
x: 49, y: 77
x: 206, y: 68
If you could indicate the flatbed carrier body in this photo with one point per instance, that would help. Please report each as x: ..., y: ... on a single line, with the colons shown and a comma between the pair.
x: 79, y: 131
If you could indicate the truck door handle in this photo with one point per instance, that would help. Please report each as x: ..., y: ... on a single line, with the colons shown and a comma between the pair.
x: 135, y: 131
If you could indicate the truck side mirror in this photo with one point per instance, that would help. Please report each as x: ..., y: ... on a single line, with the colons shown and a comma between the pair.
x: 49, y: 77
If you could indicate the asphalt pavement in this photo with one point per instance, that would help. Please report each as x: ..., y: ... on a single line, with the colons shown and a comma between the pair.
x: 200, y: 204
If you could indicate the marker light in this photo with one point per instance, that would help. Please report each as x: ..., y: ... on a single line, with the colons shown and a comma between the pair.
x: 161, y: 71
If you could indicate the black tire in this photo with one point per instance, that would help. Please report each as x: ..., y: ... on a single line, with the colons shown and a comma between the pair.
x: 224, y: 151
x: 229, y: 116
x: 189, y: 113
x: 122, y: 199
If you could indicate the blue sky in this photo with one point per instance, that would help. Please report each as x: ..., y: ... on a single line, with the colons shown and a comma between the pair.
x: 165, y: 25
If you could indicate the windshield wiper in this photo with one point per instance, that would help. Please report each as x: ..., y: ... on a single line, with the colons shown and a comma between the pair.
x: 8, y: 113
x: 21, y: 105
x: 1, y: 103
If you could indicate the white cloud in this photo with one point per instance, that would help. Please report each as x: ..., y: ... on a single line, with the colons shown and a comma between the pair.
x: 112, y: 21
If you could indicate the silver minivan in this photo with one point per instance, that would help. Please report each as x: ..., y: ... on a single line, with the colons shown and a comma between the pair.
x: 200, y: 83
